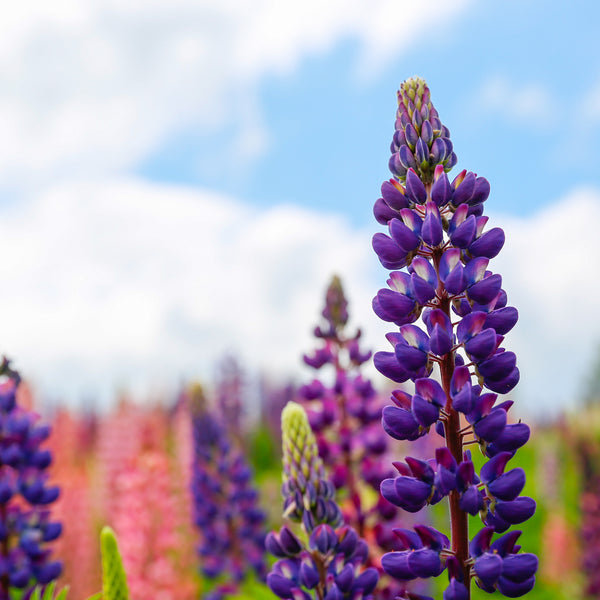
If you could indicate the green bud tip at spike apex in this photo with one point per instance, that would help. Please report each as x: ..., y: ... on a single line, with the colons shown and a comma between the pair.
x: 301, y: 462
x: 114, y: 580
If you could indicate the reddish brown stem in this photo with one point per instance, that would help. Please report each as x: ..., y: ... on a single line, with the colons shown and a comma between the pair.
x: 459, y: 524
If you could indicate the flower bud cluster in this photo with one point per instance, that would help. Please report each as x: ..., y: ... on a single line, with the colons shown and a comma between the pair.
x: 420, y: 142
x: 25, y: 523
x: 326, y: 559
x: 437, y: 235
x: 309, y: 497
x: 225, y: 504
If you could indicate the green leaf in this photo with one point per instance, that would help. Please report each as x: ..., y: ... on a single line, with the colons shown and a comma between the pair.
x: 49, y: 591
x: 114, y: 580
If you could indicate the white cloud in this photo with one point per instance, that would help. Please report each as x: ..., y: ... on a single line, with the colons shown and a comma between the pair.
x: 91, y: 86
x: 129, y: 283
x: 136, y: 284
x: 549, y: 267
x: 530, y: 102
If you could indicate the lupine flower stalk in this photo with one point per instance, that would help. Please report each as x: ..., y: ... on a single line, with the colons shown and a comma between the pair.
x: 344, y: 411
x: 324, y: 559
x: 26, y: 525
x: 439, y: 251
x: 225, y: 505
x: 145, y: 522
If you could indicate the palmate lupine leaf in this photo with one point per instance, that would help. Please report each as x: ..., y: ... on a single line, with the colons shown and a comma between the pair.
x: 114, y: 580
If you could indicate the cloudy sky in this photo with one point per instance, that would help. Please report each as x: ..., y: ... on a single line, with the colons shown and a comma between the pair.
x: 180, y: 179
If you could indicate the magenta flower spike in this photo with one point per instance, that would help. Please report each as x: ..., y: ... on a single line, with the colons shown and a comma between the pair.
x: 452, y: 316
x: 345, y: 413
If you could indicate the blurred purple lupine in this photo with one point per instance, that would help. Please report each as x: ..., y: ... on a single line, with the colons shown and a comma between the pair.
x: 324, y: 559
x: 344, y: 411
x: 25, y: 522
x: 439, y: 255
x: 225, y: 504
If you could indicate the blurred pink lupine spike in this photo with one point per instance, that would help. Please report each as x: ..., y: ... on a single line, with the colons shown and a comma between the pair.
x: 77, y: 546
x: 119, y: 439
x: 560, y: 555
x: 145, y: 523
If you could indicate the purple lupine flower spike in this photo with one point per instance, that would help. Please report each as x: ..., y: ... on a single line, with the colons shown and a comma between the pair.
x: 25, y: 522
x: 318, y: 560
x: 225, y: 504
x: 440, y: 250
x: 345, y: 413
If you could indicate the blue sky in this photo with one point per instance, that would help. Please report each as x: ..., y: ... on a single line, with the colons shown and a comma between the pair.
x: 330, y: 123
x: 181, y: 179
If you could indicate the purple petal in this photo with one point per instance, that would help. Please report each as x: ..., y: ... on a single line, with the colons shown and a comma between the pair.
x: 471, y: 500
x: 498, y: 366
x: 510, y: 589
x: 425, y: 412
x: 516, y: 511
x: 488, y: 568
x: 456, y: 591
x: 502, y: 320
x: 489, y: 244
x: 464, y: 234
x: 431, y: 390
x: 509, y: 485
x: 388, y: 366
x: 366, y: 581
x: 481, y: 541
x: 395, y: 165
x: 280, y: 586
x: 432, y: 231
x: 382, y: 212
x: 494, y: 467
x: 441, y: 191
x: 512, y: 438
x: 486, y: 290
x: 393, y: 195
x: 415, y: 189
x: 519, y: 567
x: 403, y: 236
x: 482, y: 345
x: 390, y: 254
x: 395, y: 305
x: 463, y: 185
x: 491, y: 426
x: 503, y: 386
x: 395, y: 564
x: 425, y: 563
x: 399, y: 423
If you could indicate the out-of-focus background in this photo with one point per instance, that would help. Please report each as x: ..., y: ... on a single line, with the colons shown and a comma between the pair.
x: 179, y: 180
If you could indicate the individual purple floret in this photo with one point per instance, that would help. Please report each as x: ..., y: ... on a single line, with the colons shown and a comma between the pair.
x: 25, y: 521
x: 439, y: 250
x: 323, y: 559
x: 225, y: 504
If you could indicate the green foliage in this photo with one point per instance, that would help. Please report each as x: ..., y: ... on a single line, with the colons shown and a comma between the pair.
x: 264, y: 453
x: 114, y: 580
x: 48, y: 593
